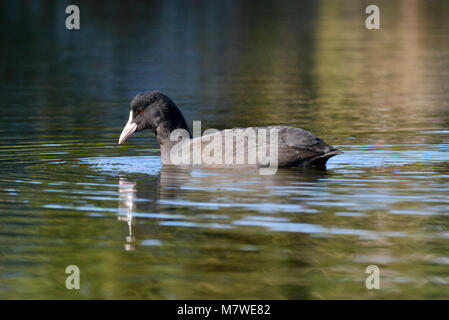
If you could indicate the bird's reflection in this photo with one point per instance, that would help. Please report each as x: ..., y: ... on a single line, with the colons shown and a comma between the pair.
x: 140, y: 196
x: 127, y: 196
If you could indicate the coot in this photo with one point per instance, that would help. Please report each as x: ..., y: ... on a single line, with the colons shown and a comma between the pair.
x: 289, y: 146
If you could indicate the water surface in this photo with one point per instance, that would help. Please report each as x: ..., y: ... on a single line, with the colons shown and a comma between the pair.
x: 70, y: 195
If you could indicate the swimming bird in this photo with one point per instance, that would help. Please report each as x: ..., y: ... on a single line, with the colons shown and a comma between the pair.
x: 292, y: 146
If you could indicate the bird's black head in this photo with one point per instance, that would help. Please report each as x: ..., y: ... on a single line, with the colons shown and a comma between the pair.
x: 153, y: 110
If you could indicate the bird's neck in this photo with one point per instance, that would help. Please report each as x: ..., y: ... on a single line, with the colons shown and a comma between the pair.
x: 163, y: 134
x: 165, y: 129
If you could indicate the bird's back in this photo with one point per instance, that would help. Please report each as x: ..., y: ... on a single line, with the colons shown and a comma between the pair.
x: 258, y: 147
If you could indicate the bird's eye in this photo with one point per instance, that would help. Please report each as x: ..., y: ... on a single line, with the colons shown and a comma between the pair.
x: 141, y: 111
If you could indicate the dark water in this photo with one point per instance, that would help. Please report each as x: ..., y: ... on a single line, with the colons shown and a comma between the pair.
x: 69, y: 195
